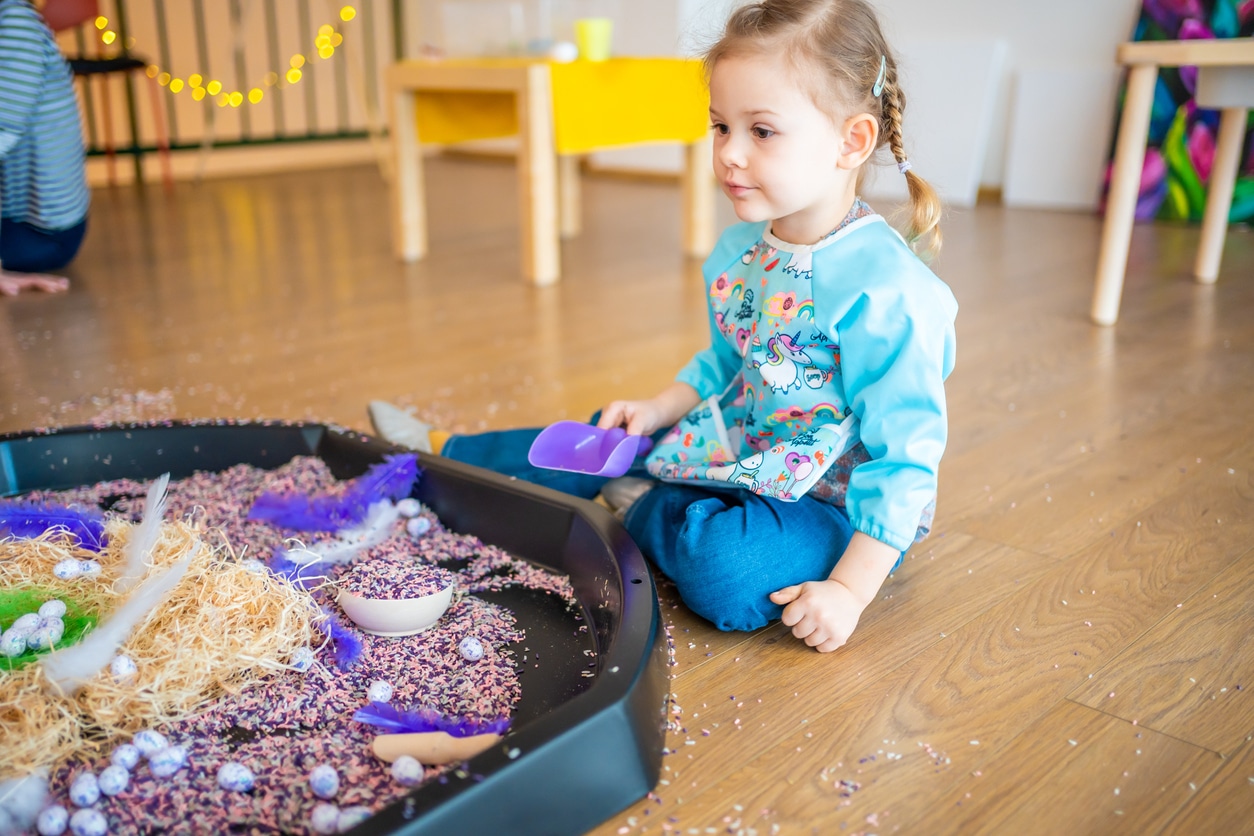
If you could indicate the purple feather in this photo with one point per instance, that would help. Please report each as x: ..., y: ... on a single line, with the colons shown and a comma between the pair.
x: 297, y: 512
x: 29, y: 520
x: 293, y: 572
x: 395, y: 721
x: 347, y: 643
x: 393, y: 478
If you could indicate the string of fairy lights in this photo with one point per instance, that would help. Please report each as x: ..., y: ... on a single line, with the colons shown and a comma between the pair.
x: 202, y: 87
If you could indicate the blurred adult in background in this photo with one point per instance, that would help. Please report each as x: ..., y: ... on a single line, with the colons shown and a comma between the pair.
x: 43, y: 182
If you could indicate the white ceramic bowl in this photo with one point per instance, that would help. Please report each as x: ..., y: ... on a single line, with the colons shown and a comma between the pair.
x: 396, y: 617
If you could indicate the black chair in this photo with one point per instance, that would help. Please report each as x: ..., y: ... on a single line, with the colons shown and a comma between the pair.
x: 69, y: 14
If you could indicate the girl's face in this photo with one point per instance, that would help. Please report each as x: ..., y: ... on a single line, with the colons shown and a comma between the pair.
x: 776, y: 155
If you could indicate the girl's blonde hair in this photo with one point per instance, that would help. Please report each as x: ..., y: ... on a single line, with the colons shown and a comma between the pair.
x: 842, y: 39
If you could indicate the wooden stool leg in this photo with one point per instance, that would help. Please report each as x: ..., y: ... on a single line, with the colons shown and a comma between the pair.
x: 537, y: 180
x: 1223, y: 177
x: 570, y: 198
x: 1125, y: 185
x: 408, y: 190
x: 698, y: 197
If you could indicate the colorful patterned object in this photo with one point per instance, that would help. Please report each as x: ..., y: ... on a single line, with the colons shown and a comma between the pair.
x: 1182, y: 136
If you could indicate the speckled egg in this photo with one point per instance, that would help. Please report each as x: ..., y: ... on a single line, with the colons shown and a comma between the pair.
x: 406, y: 771
x: 54, y: 623
x: 89, y: 823
x: 379, y: 691
x: 324, y: 781
x: 13, y: 643
x: 302, y: 659
x: 165, y: 762
x: 126, y: 756
x: 149, y: 741
x: 254, y: 565
x: 90, y: 567
x: 350, y: 818
x: 418, y: 526
x: 123, y: 668
x: 55, y: 608
x: 26, y: 623
x: 471, y: 649
x: 85, y: 791
x: 68, y: 569
x: 52, y: 821
x: 44, y: 638
x: 409, y: 507
x: 113, y: 779
x: 235, y: 777
x: 325, y: 818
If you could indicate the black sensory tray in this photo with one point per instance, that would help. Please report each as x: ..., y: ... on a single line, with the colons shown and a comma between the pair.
x: 586, y: 738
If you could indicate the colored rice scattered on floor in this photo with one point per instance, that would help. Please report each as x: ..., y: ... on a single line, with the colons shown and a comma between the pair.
x: 290, y: 722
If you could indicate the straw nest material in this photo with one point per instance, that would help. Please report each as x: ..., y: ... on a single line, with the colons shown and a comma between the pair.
x: 220, y: 630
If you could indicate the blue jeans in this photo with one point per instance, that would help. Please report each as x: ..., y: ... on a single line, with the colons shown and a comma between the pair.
x: 725, y: 549
x: 29, y: 249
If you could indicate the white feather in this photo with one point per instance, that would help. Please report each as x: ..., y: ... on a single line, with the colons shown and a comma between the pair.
x: 69, y: 669
x: 144, y: 535
x: 21, y: 799
x: 373, y: 530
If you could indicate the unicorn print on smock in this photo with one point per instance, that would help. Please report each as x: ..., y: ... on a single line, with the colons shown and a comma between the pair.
x: 782, y: 419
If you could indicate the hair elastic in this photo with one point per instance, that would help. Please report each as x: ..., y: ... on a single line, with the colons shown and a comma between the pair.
x: 878, y: 87
x: 904, y: 166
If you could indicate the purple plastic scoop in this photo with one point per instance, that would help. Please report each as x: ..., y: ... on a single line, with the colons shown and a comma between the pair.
x: 583, y: 448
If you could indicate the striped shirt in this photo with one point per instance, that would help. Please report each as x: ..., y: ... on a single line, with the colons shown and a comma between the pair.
x: 43, y: 181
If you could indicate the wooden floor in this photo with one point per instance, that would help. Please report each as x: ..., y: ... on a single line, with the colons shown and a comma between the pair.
x: 1071, y: 652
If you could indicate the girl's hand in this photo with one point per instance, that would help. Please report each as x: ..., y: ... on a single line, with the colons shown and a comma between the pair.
x: 638, y: 417
x: 647, y: 417
x: 823, y: 614
x: 11, y: 284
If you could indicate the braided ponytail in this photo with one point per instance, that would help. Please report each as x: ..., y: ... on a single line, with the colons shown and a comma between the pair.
x: 925, y: 204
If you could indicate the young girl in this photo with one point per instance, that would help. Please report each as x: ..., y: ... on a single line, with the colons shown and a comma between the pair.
x: 796, y: 457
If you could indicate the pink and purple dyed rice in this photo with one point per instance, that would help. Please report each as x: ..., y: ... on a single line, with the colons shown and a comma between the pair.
x: 295, y: 721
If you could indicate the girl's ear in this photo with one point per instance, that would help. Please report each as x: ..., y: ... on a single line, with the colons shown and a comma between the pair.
x: 859, y: 137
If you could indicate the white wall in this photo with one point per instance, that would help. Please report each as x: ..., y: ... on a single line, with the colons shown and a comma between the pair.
x: 1073, y: 35
x: 1061, y: 34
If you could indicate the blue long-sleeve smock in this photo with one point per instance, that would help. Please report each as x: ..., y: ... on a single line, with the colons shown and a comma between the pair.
x: 818, y: 352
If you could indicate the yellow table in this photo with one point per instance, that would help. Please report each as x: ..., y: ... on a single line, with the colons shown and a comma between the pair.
x: 1232, y: 55
x: 558, y: 111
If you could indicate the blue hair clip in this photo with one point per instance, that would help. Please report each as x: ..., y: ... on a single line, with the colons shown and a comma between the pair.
x: 879, y: 79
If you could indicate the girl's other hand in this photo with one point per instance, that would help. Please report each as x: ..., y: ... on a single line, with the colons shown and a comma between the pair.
x: 823, y: 614
x: 11, y: 284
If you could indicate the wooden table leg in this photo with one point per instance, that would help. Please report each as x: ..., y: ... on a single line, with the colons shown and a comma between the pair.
x: 537, y: 180
x: 1223, y: 177
x: 570, y: 197
x: 408, y: 194
x: 698, y: 197
x: 1125, y: 186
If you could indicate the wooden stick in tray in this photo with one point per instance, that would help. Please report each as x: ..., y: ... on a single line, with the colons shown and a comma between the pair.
x: 432, y: 748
